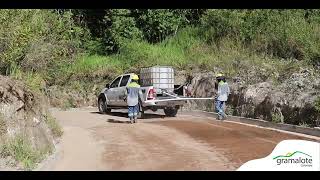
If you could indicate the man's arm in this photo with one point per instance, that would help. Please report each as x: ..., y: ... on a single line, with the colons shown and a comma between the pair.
x: 125, y: 94
x: 140, y: 94
x: 219, y: 90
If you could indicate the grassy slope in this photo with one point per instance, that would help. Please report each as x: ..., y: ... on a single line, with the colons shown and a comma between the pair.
x: 186, y: 50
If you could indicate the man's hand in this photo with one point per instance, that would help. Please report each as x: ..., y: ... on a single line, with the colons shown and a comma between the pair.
x: 124, y: 97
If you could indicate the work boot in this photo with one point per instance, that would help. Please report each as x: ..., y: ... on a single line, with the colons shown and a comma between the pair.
x: 224, y: 117
x: 131, y: 120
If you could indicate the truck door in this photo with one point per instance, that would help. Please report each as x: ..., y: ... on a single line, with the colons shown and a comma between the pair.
x: 111, y: 94
x: 121, y: 91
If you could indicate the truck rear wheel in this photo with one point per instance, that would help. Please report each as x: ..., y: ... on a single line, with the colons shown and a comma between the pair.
x: 170, y: 112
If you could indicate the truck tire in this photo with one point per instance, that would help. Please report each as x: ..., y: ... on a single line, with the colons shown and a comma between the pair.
x: 102, y: 105
x: 170, y: 112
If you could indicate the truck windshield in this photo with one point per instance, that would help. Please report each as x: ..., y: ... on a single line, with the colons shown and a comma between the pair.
x: 115, y: 83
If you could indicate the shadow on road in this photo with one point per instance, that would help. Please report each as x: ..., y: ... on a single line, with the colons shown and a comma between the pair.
x: 117, y: 121
x: 150, y: 116
x: 119, y: 114
x: 125, y: 114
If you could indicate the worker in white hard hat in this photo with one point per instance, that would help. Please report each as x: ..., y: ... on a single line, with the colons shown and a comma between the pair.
x: 133, y: 93
x: 223, y: 92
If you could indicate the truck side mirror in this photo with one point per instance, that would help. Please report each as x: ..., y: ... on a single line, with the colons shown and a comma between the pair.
x: 108, y: 85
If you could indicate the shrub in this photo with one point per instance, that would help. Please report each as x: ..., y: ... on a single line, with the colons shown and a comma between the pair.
x: 276, y: 118
x: 279, y: 33
x: 21, y: 150
x: 37, y: 40
x: 53, y: 125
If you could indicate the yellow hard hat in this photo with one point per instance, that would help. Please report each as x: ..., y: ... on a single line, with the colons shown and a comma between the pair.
x: 219, y: 75
x: 135, y: 77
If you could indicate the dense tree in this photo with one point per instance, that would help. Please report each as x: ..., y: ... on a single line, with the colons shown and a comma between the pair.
x: 51, y: 37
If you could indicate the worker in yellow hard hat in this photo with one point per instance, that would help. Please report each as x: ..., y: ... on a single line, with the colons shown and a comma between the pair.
x: 223, y: 92
x: 133, y: 93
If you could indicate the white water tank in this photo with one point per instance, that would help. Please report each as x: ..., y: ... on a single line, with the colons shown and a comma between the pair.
x: 160, y: 77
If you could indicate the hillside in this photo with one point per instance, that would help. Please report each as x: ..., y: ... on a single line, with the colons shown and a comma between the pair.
x: 28, y: 132
x: 69, y: 55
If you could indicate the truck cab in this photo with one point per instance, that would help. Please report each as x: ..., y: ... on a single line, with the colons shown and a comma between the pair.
x: 115, y: 91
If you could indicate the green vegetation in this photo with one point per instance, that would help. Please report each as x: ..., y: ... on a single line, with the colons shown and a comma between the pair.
x: 276, y: 118
x: 68, y: 103
x: 278, y: 33
x: 77, y: 49
x: 317, y: 104
x: 33, y: 80
x: 53, y: 47
x: 230, y: 111
x: 81, y: 48
x: 304, y: 124
x: 37, y: 40
x: 21, y: 150
x: 53, y: 125
x: 3, y: 126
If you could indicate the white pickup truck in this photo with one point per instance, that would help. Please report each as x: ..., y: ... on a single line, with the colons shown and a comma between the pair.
x: 113, y: 97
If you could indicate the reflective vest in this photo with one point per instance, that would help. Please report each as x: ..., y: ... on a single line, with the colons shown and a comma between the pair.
x: 133, y: 92
x: 223, y: 91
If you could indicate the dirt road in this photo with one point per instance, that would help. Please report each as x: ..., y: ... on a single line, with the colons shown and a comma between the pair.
x: 93, y: 141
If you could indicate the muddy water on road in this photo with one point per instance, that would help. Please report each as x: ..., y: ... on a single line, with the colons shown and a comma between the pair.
x: 239, y: 143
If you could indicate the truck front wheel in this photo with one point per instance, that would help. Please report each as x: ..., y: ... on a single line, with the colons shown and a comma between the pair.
x: 102, y: 105
x: 170, y: 111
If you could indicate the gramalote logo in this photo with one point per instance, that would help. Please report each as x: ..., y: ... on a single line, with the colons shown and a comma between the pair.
x: 296, y: 157
x: 288, y: 155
